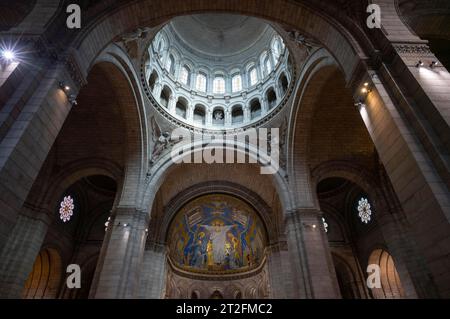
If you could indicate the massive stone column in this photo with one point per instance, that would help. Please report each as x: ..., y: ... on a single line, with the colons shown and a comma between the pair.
x: 20, y: 251
x: 281, y: 281
x: 118, y: 270
x: 153, y: 272
x: 310, y: 255
x: 30, y: 121
x: 417, y: 182
x: 410, y: 264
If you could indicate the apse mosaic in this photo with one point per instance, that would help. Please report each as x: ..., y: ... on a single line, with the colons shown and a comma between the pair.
x: 216, y: 233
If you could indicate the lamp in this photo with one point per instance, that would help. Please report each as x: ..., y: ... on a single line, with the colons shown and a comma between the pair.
x: 366, y: 88
x: 66, y: 89
x: 434, y: 64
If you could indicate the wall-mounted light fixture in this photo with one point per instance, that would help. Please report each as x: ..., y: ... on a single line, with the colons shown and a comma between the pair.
x: 366, y: 88
x: 66, y: 89
x: 119, y: 224
x: 434, y: 64
x: 419, y: 64
x: 309, y: 226
x: 107, y: 223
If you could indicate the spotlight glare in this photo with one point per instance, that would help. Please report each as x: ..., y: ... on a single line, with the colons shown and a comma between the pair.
x: 8, y: 55
x: 364, y: 90
x: 67, y: 88
x: 366, y: 84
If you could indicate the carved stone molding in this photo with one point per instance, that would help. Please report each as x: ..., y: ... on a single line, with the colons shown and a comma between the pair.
x: 75, y: 71
x: 413, y: 49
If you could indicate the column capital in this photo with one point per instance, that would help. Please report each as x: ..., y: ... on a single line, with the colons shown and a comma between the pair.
x: 36, y: 213
x: 156, y: 247
x: 304, y: 211
x: 308, y: 217
x: 131, y: 215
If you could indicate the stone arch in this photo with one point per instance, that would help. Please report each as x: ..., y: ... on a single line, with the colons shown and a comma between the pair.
x: 326, y: 28
x: 237, y: 114
x: 318, y: 68
x: 200, y: 114
x: 165, y: 96
x: 125, y: 82
x: 391, y: 287
x: 74, y: 172
x: 271, y: 97
x: 346, y: 277
x: 45, y: 278
x: 349, y: 171
x: 181, y: 107
x: 430, y: 21
x: 283, y: 83
x: 255, y: 108
x: 224, y: 187
x: 153, y: 79
x: 166, y: 164
x: 428, y: 18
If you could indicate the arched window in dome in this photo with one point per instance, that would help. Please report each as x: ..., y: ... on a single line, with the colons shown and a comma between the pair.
x: 283, y: 83
x: 236, y: 83
x: 170, y: 65
x: 152, y: 80
x: 276, y: 49
x: 161, y: 45
x: 237, y: 114
x: 253, y: 76
x: 200, y: 82
x: 267, y: 66
x: 199, y: 114
x: 181, y: 107
x: 164, y: 98
x: 255, y: 109
x: 271, y: 97
x: 219, y: 85
x: 185, y: 75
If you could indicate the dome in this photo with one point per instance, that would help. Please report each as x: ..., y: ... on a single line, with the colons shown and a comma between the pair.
x: 218, y: 35
x: 217, y: 71
x: 216, y: 234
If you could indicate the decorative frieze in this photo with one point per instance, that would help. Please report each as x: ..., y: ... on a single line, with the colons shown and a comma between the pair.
x: 413, y: 49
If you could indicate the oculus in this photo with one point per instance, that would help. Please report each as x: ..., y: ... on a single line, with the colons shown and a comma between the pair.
x: 66, y: 208
x: 364, y: 210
